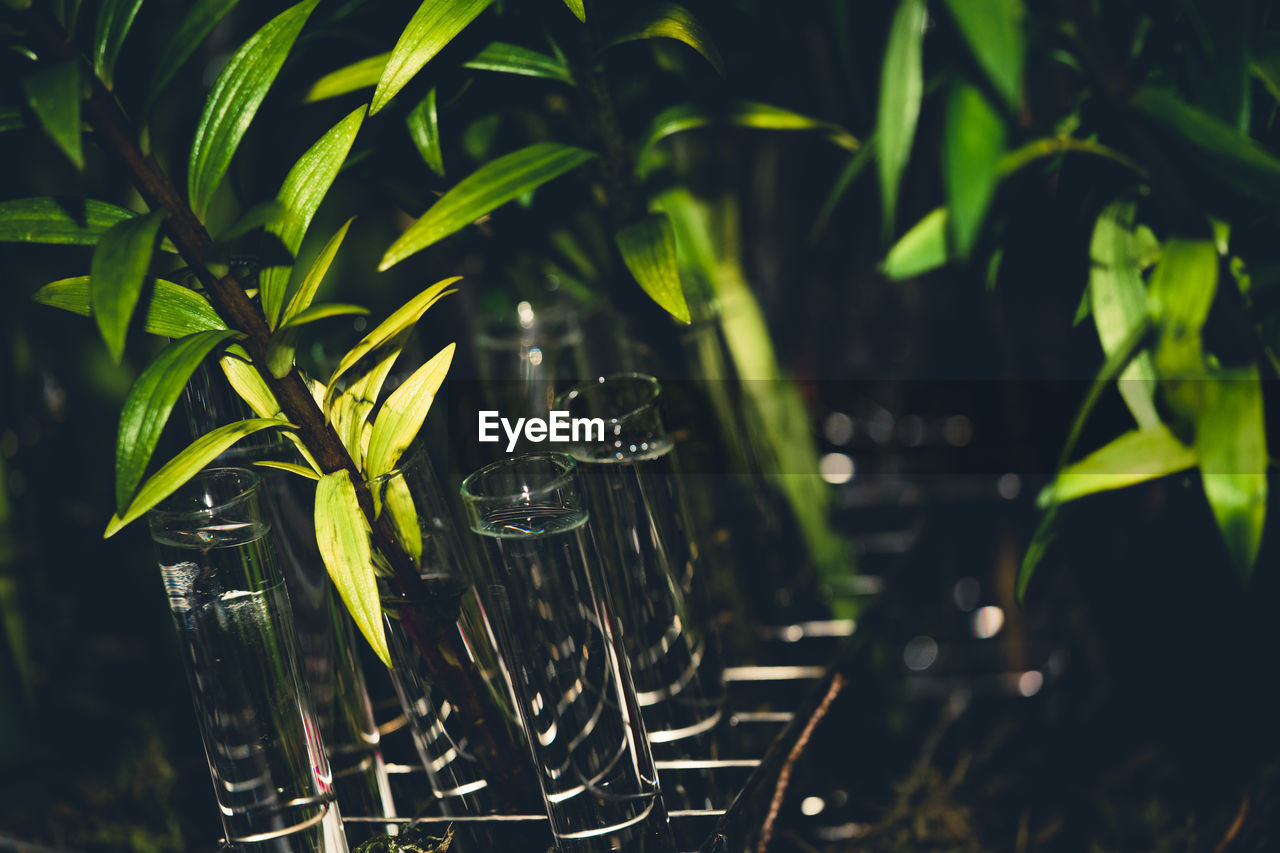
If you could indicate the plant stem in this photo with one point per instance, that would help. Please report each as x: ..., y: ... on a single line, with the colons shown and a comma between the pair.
x: 441, y: 644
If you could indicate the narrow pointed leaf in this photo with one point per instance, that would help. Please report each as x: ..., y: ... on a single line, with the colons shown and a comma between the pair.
x: 974, y: 141
x: 115, y: 17
x: 852, y: 169
x: 116, y: 275
x: 682, y: 117
x: 577, y: 8
x: 431, y: 28
x: 306, y: 291
x: 921, y: 249
x: 290, y: 467
x: 1134, y: 457
x: 901, y: 88
x: 670, y: 21
x: 304, y: 188
x: 186, y: 465
x: 507, y: 58
x: 402, y: 415
x: 169, y: 310
x: 151, y: 400
x: 234, y: 101
x: 342, y: 534
x: 394, y: 496
x: 403, y: 319
x: 76, y: 222
x: 284, y: 343
x: 1117, y: 299
x: 1182, y: 288
x: 994, y: 32
x: 192, y: 30
x: 258, y: 216
x: 323, y: 312
x: 351, y: 78
x: 53, y: 94
x: 491, y: 185
x: 424, y: 129
x: 1231, y: 442
x: 648, y: 248
x: 350, y: 411
x: 252, y: 388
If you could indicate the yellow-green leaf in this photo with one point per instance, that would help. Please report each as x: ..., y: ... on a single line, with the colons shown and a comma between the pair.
x: 1231, y: 442
x: 577, y: 8
x: 234, y: 101
x: 116, y: 273
x: 753, y: 114
x: 402, y: 415
x: 993, y: 29
x: 493, y: 184
x: 185, y: 465
x: 424, y: 129
x: 351, y: 78
x: 53, y: 94
x: 1134, y: 457
x: 670, y: 21
x: 901, y: 88
x: 393, y: 496
x: 169, y: 310
x: 350, y: 411
x: 73, y: 222
x: 283, y: 344
x: 921, y: 249
x: 290, y: 467
x: 507, y: 58
x: 306, y: 291
x: 648, y: 248
x: 432, y: 27
x: 1182, y: 288
x: 304, y: 188
x: 342, y: 534
x: 974, y: 140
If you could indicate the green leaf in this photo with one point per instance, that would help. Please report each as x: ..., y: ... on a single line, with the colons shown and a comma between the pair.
x: 1117, y: 298
x: 394, y: 495
x: 921, y: 249
x: 115, y: 17
x: 1053, y: 146
x: 1134, y: 457
x: 284, y: 343
x: 1220, y: 147
x: 424, y: 129
x: 648, y: 248
x: 1182, y: 288
x: 432, y: 27
x: 75, y: 222
x: 342, y: 534
x: 350, y: 78
x: 150, y: 401
x: 402, y: 415
x: 901, y: 88
x: 192, y: 30
x: 670, y: 21
x: 401, y: 320
x: 682, y: 117
x: 350, y: 412
x: 493, y: 184
x: 507, y: 58
x: 306, y: 291
x: 578, y: 9
x: 323, y: 312
x: 116, y: 274
x: 993, y: 29
x: 169, y: 310
x: 54, y: 96
x: 186, y: 465
x: 304, y: 188
x: 1231, y: 442
x: 300, y: 470
x: 234, y: 101
x: 974, y: 139
x: 258, y: 216
x: 852, y: 169
x: 252, y: 388
x: 11, y: 119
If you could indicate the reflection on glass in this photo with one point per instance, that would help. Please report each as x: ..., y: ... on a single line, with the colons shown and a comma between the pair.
x: 228, y: 601
x: 543, y: 594
x: 524, y: 357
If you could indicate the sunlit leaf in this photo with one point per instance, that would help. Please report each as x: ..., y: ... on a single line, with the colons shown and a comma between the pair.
x: 648, y: 248
x: 186, y: 465
x: 670, y: 21
x: 342, y: 534
x: 283, y: 344
x: 169, y: 310
x: 234, y: 101
x: 993, y: 29
x: 432, y: 27
x: 577, y: 8
x: 403, y: 319
x: 1054, y: 146
x: 350, y: 78
x: 290, y: 467
x: 491, y: 185
x: 192, y: 30
x: 306, y: 291
x: 921, y: 249
x: 1134, y: 457
x: 304, y: 188
x: 252, y: 388
x: 349, y: 411
x: 682, y: 117
x: 1231, y: 442
x: 53, y: 94
x: 424, y: 129
x: 507, y: 58
x: 973, y: 144
x: 1182, y: 288
x: 402, y: 415
x: 1117, y: 298
x: 116, y: 275
x: 115, y: 17
x: 150, y: 401
x: 78, y: 222
x: 901, y: 88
